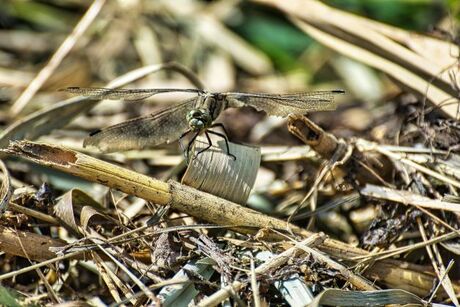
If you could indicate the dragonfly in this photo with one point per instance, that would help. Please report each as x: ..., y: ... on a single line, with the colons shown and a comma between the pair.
x: 193, y: 116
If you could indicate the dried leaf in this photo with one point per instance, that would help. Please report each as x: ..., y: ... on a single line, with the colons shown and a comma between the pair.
x: 216, y: 172
x: 336, y: 297
x: 72, y: 203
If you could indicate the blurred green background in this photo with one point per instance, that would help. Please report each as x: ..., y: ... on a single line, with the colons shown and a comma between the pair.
x: 284, y: 43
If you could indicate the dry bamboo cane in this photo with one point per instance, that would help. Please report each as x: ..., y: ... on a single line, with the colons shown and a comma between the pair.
x: 393, y: 273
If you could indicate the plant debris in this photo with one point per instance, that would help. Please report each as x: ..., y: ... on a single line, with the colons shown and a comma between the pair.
x: 355, y: 206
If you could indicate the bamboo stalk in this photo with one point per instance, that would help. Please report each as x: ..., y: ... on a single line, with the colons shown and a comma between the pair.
x: 211, y: 209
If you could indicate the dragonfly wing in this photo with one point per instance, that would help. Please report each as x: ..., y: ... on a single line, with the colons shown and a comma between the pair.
x: 99, y: 93
x: 155, y: 129
x: 283, y: 105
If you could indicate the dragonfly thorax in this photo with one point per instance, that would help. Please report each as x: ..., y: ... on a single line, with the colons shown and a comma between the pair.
x: 199, y: 119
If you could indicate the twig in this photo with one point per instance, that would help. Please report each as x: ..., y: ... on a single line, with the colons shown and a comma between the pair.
x: 408, y: 198
x: 34, y: 213
x: 254, y: 285
x: 449, y: 267
x: 52, y: 294
x: 325, y: 144
x: 355, y: 279
x: 38, y: 265
x: 58, y: 56
x: 136, y: 280
x: 397, y: 251
x: 437, y: 264
x: 369, y: 146
x: 275, y: 262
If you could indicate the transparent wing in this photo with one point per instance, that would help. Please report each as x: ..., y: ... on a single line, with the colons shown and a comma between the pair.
x: 285, y: 104
x: 154, y: 129
x: 98, y: 93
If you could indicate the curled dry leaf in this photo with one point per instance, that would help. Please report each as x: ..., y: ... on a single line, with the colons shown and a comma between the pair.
x: 89, y: 212
x: 216, y: 172
x: 70, y: 204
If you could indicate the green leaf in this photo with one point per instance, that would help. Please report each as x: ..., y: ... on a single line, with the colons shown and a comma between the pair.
x: 8, y: 297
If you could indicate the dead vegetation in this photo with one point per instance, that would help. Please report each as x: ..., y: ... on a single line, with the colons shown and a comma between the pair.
x: 358, y: 206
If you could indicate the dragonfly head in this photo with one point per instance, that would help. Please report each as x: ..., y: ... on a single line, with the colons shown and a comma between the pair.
x: 199, y: 119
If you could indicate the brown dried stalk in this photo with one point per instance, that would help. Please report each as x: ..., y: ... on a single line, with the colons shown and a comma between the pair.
x: 212, y: 209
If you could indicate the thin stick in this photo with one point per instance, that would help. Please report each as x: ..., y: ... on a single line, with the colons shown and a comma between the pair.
x: 136, y: 280
x: 437, y: 264
x: 275, y: 262
x: 58, y: 56
x: 449, y: 266
x: 408, y: 198
x: 38, y: 265
x: 356, y: 280
x: 254, y: 285
x: 399, y: 250
x: 368, y: 146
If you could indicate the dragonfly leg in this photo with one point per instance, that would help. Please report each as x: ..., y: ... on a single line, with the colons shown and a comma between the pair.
x: 181, y: 144
x: 225, y: 139
x: 209, y: 143
x: 220, y: 125
x: 190, y: 144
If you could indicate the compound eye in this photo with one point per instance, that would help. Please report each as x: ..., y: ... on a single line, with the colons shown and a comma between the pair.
x: 196, y: 113
x: 196, y: 124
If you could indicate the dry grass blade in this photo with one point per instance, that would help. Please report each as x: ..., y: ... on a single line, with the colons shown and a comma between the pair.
x: 254, y: 285
x: 33, y: 213
x: 438, y: 265
x: 336, y: 297
x: 58, y: 56
x: 41, y: 122
x: 72, y: 201
x: 408, y: 198
x: 110, y: 279
x: 6, y: 190
x: 364, y: 145
x: 44, y: 249
x: 449, y: 267
x: 404, y: 249
x: 61, y: 113
x: 246, y: 55
x: 356, y: 280
x: 208, y: 207
x: 212, y: 30
x: 110, y: 253
x: 183, y: 291
x: 366, y: 44
x: 273, y: 263
x: 286, y: 153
